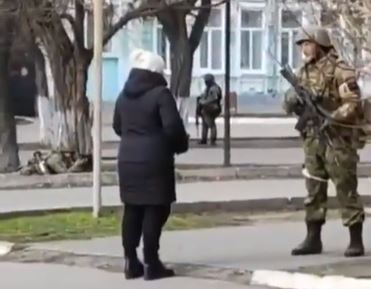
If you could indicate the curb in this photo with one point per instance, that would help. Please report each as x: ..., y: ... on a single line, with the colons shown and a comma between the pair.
x: 238, y: 142
x: 276, y: 279
x: 287, y: 280
x: 269, y: 120
x: 252, y: 206
x: 250, y: 172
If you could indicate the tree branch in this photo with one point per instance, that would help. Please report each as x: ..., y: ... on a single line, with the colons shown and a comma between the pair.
x: 199, y: 25
x: 79, y: 25
x: 72, y: 22
x: 144, y: 11
x: 154, y: 8
x: 202, y: 6
x: 169, y: 21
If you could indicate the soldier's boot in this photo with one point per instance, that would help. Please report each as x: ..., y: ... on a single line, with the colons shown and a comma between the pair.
x: 213, y: 136
x: 204, y: 133
x: 355, y: 248
x: 203, y: 140
x: 312, y: 243
x: 133, y: 268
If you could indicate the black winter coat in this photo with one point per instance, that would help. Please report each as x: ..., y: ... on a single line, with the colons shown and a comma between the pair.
x: 152, y: 132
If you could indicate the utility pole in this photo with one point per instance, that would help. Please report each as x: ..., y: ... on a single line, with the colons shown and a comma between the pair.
x: 97, y: 121
x: 227, y: 111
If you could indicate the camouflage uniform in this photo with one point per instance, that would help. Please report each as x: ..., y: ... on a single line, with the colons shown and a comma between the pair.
x: 335, y: 158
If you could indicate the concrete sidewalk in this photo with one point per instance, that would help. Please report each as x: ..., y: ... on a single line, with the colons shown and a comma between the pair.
x: 241, y: 127
x: 215, y: 156
x: 46, y: 276
x: 255, y: 254
x: 245, y: 156
x: 239, y: 156
x: 184, y: 173
x: 250, y: 195
x: 262, y: 249
x: 264, y: 245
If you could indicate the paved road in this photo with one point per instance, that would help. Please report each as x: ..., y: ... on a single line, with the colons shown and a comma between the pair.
x: 20, y: 200
x: 43, y: 276
x: 265, y: 245
x: 252, y: 156
x: 253, y: 128
x: 238, y: 156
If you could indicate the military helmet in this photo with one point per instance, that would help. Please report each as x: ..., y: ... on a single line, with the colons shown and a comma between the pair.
x: 316, y: 34
x: 209, y: 77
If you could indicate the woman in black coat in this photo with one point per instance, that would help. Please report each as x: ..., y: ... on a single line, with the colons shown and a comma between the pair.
x: 152, y: 132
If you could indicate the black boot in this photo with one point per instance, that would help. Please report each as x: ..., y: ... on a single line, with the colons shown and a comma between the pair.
x: 133, y: 268
x: 157, y: 270
x: 213, y: 141
x: 312, y: 243
x: 213, y: 135
x: 154, y: 269
x: 355, y: 248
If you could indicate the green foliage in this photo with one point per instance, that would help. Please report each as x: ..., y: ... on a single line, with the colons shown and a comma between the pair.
x: 81, y: 225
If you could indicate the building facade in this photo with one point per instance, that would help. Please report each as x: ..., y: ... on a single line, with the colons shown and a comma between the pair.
x: 263, y: 34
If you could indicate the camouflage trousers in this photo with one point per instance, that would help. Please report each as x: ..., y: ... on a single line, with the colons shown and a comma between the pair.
x: 338, y: 163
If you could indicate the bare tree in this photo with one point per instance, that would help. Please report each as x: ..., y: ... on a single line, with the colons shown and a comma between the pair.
x: 58, y: 29
x: 184, y: 39
x: 349, y: 22
x: 55, y: 32
x: 9, y: 160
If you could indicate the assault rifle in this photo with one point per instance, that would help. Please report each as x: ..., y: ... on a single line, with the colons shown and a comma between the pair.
x: 310, y: 111
x: 198, y: 114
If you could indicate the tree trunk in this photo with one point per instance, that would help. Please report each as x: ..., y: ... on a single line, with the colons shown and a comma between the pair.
x: 83, y: 115
x: 181, y: 67
x: 9, y: 160
x: 68, y: 61
x: 43, y: 100
x: 71, y: 120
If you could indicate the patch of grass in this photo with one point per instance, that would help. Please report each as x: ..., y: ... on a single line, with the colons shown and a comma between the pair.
x: 58, y: 226
x: 81, y: 225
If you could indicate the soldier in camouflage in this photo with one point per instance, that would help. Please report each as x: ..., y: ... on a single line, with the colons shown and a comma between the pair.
x: 329, y: 78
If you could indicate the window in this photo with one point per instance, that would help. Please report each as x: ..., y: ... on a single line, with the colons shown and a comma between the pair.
x: 162, y: 45
x: 147, y: 37
x: 252, y: 30
x: 211, y: 46
x: 154, y: 39
x: 290, y: 25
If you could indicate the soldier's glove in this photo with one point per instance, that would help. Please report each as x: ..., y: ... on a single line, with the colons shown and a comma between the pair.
x: 293, y: 106
x: 299, y: 108
x: 325, y: 124
x: 291, y: 103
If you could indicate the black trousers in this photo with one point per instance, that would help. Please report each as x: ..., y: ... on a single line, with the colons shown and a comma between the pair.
x: 146, y: 221
x: 208, y: 122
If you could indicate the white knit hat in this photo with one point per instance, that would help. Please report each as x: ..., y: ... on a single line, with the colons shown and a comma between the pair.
x: 143, y: 59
